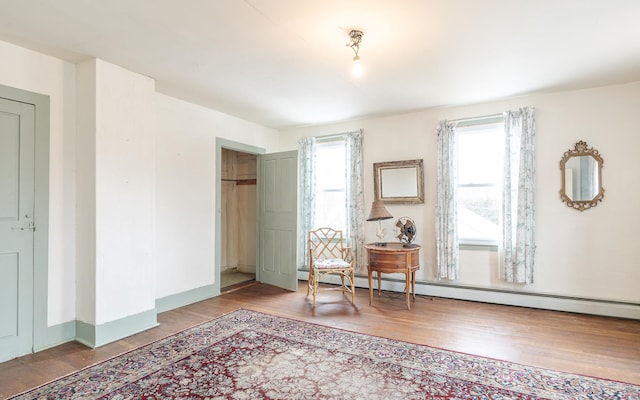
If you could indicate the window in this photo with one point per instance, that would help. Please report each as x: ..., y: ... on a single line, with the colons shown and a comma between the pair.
x: 330, y: 188
x: 330, y: 192
x: 480, y: 155
x: 474, y: 205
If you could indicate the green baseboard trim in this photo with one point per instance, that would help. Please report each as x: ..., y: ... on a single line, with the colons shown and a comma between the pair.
x: 185, y: 298
x: 86, y: 333
x: 54, y: 335
x: 99, y: 335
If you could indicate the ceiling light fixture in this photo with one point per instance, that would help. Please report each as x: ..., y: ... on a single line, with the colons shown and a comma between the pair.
x: 356, y: 38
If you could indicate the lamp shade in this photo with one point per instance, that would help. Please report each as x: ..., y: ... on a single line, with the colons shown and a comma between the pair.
x: 378, y: 211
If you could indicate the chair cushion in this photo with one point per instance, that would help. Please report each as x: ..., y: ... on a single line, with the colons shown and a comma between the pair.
x: 331, y: 263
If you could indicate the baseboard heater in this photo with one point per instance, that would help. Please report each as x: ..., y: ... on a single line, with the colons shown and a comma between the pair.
x: 500, y: 296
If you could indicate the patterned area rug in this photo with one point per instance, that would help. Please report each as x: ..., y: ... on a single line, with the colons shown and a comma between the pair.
x: 250, y: 355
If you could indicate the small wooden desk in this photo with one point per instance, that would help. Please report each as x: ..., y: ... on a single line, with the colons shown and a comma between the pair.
x: 393, y: 258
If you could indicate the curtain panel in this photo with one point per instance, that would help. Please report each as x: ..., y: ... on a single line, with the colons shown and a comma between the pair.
x: 447, y: 245
x: 306, y: 190
x: 517, y: 247
x: 355, y: 196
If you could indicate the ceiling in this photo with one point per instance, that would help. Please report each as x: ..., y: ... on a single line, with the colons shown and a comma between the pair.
x: 285, y: 63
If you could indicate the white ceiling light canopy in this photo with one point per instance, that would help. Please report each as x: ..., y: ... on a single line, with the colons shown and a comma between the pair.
x: 355, y: 39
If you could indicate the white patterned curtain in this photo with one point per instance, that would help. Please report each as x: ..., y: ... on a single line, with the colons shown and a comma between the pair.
x: 517, y: 247
x: 355, y: 196
x: 306, y: 189
x: 447, y: 246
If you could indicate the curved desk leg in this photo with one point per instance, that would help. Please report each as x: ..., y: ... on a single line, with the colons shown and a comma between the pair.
x: 370, y: 287
x: 413, y: 284
x: 408, y: 287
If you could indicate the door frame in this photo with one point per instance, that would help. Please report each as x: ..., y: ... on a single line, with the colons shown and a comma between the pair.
x: 244, y: 148
x: 42, y: 337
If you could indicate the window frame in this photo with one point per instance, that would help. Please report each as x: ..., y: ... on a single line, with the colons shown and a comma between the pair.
x: 468, y: 123
x: 326, y: 141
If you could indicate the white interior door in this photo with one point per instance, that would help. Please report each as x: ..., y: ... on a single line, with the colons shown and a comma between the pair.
x: 278, y: 211
x: 17, y: 136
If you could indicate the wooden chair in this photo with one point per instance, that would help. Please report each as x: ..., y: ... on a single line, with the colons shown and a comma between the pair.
x: 327, y: 255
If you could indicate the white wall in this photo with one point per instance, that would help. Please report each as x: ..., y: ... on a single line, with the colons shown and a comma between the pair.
x: 185, y: 188
x: 85, y: 228
x: 115, y: 192
x: 592, y: 254
x: 28, y: 70
x: 125, y: 193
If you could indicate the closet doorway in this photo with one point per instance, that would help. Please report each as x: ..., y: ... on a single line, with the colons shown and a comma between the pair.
x: 238, y: 222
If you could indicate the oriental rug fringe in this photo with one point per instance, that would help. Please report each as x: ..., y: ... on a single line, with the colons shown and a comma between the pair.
x: 250, y: 355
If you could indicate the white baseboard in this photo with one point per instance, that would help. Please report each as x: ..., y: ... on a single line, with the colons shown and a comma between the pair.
x: 495, y: 296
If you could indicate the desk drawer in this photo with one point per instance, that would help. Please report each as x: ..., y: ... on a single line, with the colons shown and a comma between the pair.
x: 388, y: 260
x: 386, y: 257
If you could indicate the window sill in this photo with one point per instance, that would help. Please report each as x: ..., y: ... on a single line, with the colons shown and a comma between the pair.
x: 479, y: 245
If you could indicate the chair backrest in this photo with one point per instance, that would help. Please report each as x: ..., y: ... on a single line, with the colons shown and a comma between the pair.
x: 325, y: 243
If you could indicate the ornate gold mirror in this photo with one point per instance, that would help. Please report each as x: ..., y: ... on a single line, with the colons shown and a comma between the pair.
x: 399, y: 181
x: 581, y: 170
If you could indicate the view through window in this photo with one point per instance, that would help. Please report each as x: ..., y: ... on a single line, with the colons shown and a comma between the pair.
x: 331, y: 185
x: 480, y: 155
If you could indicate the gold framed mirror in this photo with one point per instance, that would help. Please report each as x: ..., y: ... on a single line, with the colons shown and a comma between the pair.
x: 581, y: 171
x: 399, y: 181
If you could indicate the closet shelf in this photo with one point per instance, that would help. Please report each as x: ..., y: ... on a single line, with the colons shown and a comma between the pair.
x: 241, y: 181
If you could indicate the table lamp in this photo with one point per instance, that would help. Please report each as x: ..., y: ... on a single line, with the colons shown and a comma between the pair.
x: 378, y: 213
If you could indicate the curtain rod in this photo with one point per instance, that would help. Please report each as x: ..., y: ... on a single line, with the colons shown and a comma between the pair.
x: 487, y: 118
x: 334, y: 136
x: 329, y: 137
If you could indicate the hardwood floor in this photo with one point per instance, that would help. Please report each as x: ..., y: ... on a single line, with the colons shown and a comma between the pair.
x: 590, y: 345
